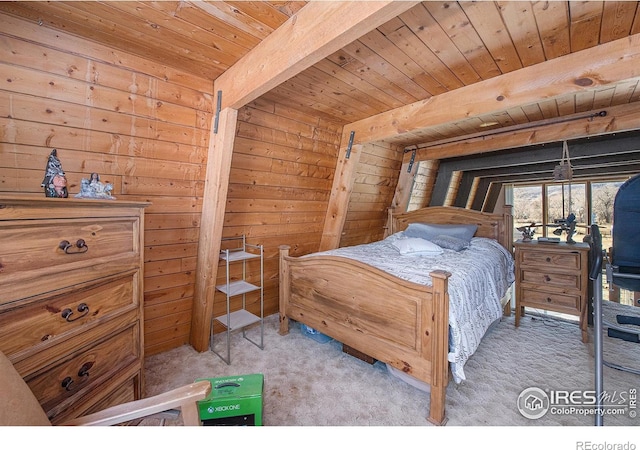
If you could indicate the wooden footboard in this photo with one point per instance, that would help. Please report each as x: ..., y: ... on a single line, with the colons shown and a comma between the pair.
x: 394, y: 321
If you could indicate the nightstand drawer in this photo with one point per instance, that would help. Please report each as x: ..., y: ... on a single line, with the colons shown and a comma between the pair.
x: 561, y: 280
x: 567, y: 261
x: 550, y: 300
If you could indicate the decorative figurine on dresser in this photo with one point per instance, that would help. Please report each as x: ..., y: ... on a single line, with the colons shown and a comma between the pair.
x: 527, y: 231
x: 92, y: 187
x: 54, y: 182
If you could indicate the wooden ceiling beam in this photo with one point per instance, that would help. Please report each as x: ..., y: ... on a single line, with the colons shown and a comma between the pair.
x: 211, y: 224
x: 578, y: 72
x: 619, y: 118
x: 316, y: 31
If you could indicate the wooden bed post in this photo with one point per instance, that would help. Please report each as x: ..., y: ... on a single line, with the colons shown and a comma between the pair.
x: 388, y: 229
x: 439, y: 347
x: 507, y: 233
x: 507, y: 237
x: 284, y: 290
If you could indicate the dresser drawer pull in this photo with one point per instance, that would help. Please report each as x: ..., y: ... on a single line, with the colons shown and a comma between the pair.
x: 548, y: 259
x: 69, y: 248
x: 67, y: 312
x: 548, y: 299
x: 547, y: 278
x: 84, y: 370
x: 66, y: 383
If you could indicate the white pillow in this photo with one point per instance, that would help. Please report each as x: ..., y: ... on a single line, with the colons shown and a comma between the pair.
x: 417, y: 246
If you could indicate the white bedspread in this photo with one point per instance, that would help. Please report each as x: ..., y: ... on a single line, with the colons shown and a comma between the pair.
x: 481, y: 275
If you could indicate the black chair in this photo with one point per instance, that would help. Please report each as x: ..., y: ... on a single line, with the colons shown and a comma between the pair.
x: 623, y: 264
x: 623, y: 270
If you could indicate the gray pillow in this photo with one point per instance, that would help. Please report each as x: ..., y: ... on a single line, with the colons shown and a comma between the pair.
x: 430, y: 231
x: 450, y: 242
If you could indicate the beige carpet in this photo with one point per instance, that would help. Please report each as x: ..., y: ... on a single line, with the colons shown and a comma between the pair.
x: 313, y: 384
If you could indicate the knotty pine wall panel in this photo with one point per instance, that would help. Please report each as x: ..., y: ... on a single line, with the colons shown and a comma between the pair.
x: 373, y: 190
x: 143, y: 127
x: 279, y: 186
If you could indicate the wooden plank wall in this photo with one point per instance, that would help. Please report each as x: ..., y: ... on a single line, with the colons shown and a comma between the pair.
x: 142, y: 127
x: 280, y: 181
x: 373, y: 190
x: 145, y: 128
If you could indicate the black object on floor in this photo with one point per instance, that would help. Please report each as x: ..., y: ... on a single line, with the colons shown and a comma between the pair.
x: 624, y: 335
x: 628, y: 320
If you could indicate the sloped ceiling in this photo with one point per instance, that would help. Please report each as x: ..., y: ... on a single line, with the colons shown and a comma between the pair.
x: 431, y: 49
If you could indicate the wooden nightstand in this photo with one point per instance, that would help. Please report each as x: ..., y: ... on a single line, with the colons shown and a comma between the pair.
x: 554, y: 277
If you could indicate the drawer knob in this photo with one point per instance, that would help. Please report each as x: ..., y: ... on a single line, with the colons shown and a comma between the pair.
x: 66, y: 383
x: 84, y: 370
x: 79, y: 247
x: 83, y: 308
x: 548, y: 299
x: 547, y: 278
x: 548, y: 259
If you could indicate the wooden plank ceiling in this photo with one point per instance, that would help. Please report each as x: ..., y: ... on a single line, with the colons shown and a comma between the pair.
x: 431, y: 49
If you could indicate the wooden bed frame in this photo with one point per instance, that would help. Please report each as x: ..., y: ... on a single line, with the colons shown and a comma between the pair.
x: 394, y: 321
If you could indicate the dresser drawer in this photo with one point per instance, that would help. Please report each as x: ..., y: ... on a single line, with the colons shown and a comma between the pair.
x: 86, y: 370
x: 117, y: 390
x: 567, y: 261
x: 40, y: 256
x: 550, y: 300
x: 125, y: 393
x: 559, y: 280
x: 36, y: 326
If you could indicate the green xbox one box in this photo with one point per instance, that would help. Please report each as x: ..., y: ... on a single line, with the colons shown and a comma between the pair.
x: 235, y: 400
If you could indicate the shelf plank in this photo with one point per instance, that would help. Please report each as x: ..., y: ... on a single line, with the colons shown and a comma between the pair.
x: 237, y: 288
x: 238, y: 319
x: 238, y: 255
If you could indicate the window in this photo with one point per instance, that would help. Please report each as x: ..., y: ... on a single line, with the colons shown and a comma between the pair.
x: 564, y: 199
x: 602, y: 196
x: 545, y: 204
x: 527, y: 207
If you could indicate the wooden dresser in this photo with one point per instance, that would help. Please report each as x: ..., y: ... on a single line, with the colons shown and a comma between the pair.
x: 71, y: 289
x: 554, y: 277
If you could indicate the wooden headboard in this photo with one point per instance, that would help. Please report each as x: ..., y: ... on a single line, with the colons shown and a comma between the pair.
x: 494, y: 226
